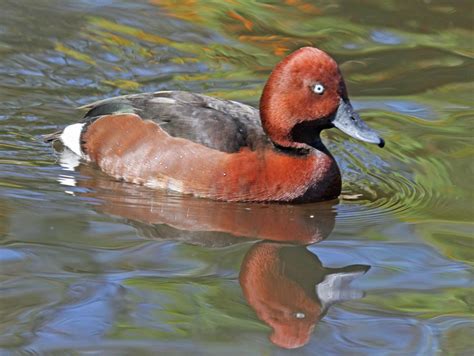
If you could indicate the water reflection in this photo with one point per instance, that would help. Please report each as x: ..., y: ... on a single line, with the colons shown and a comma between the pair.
x: 286, y: 284
x: 75, y: 279
x: 159, y: 214
x: 290, y: 289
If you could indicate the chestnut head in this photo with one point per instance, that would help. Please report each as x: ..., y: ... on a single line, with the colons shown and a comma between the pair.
x: 305, y: 94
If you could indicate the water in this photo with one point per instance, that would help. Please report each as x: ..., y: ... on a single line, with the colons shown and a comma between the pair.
x: 89, y: 264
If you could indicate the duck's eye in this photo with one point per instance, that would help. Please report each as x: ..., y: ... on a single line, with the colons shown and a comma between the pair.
x: 318, y: 88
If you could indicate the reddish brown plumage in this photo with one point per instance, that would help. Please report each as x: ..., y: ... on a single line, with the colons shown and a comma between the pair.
x: 138, y: 151
x: 287, y: 99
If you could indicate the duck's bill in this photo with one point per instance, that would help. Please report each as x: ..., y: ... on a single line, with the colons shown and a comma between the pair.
x: 349, y: 122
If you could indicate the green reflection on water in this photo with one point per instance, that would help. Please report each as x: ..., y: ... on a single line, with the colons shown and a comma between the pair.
x: 407, y: 65
x: 429, y: 305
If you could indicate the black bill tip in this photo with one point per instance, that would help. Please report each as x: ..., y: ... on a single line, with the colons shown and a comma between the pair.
x: 349, y: 122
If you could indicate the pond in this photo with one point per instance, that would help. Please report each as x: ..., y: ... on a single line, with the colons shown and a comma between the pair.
x: 90, y: 264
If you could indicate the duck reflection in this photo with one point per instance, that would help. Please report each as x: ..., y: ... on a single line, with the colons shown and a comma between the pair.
x: 286, y: 284
x: 159, y: 214
x: 291, y: 290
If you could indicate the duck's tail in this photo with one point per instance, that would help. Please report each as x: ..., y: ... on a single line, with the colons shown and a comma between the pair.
x: 52, y: 137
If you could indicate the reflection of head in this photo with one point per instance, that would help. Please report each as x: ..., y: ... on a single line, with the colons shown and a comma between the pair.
x: 280, y: 302
x: 280, y: 283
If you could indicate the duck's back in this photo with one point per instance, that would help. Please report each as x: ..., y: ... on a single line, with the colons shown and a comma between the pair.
x: 223, y: 125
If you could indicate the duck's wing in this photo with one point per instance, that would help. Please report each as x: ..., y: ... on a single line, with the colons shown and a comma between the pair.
x: 219, y: 124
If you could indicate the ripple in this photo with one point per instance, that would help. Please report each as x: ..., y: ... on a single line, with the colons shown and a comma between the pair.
x: 92, y: 271
x: 392, y: 195
x: 398, y: 181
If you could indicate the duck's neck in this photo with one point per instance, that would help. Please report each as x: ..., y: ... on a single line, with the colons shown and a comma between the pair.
x: 303, y: 142
x: 326, y: 181
x: 280, y: 174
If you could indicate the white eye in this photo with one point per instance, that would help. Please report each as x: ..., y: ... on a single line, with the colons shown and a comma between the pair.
x: 318, y: 89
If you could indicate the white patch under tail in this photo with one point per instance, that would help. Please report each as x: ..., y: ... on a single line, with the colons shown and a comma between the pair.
x: 71, y: 138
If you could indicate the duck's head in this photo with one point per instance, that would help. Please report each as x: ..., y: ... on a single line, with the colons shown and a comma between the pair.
x: 305, y: 94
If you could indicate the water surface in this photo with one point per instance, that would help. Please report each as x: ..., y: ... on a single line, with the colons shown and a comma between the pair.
x: 94, y: 265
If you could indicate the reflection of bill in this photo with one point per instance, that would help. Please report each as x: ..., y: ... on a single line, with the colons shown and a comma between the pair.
x: 291, y: 291
x: 282, y: 281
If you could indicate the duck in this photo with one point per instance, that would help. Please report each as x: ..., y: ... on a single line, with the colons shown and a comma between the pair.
x: 224, y: 150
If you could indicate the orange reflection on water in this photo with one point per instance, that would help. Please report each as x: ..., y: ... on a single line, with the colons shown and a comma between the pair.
x: 286, y: 284
x: 300, y: 224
